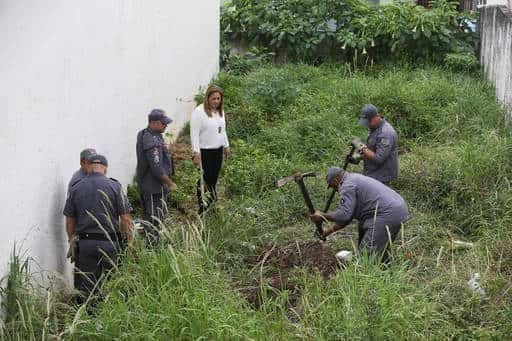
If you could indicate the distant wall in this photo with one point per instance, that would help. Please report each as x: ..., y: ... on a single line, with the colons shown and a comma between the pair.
x: 77, y: 74
x: 496, y: 50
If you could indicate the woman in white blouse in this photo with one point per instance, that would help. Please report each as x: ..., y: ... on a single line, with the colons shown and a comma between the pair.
x: 209, y: 142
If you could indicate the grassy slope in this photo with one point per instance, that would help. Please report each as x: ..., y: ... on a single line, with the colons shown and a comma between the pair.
x: 455, y: 168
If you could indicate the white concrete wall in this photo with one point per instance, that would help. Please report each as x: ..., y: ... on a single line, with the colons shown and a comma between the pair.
x: 77, y: 74
x: 496, y: 51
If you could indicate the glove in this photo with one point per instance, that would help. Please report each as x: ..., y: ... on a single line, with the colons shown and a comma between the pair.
x: 73, y: 249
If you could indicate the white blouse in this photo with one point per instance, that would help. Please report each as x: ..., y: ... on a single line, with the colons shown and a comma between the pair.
x: 207, y: 132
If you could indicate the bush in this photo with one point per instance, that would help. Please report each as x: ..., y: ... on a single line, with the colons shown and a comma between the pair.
x: 242, y: 64
x: 312, y: 31
x: 271, y: 91
x: 462, y: 61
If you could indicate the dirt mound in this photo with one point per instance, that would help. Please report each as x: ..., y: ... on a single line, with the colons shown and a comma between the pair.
x: 312, y: 255
x: 276, y: 267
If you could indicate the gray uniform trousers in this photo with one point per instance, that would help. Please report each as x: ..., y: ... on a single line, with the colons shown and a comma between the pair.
x: 155, y: 211
x: 95, y: 259
x: 377, y: 233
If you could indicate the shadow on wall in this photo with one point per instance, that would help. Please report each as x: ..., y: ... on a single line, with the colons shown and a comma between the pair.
x: 49, y: 245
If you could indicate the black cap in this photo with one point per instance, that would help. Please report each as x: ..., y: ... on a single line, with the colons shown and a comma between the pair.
x: 98, y: 159
x: 368, y: 112
x: 159, y: 115
x: 86, y: 153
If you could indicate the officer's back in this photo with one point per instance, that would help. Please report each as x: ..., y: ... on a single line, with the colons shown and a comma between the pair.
x: 372, y: 198
x: 97, y: 202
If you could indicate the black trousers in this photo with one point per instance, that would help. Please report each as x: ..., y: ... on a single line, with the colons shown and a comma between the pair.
x: 211, y: 161
x: 95, y: 259
x: 155, y: 211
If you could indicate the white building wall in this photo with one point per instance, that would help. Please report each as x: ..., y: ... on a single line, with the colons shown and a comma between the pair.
x: 76, y: 74
x: 496, y: 50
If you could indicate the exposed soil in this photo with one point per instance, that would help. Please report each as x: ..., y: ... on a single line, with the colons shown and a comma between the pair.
x: 277, y: 265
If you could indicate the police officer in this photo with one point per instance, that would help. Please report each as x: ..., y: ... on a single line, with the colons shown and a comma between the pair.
x: 380, y: 154
x: 82, y: 171
x: 98, y: 223
x: 154, y: 170
x: 379, y: 210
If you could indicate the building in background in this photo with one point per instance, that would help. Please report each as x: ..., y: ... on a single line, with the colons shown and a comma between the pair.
x: 76, y: 74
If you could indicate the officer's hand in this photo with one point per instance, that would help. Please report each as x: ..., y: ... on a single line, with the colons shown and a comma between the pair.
x: 73, y: 248
x: 227, y: 153
x: 197, y: 159
x: 317, y: 217
x: 173, y: 186
x: 331, y: 229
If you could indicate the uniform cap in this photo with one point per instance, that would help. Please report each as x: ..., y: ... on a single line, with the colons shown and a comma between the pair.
x: 86, y: 153
x: 331, y: 174
x: 98, y: 159
x: 159, y: 115
x: 368, y: 112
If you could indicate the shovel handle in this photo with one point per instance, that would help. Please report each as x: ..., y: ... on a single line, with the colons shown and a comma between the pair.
x: 319, y: 231
x: 333, y: 192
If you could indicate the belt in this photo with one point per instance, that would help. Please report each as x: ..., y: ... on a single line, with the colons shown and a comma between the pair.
x: 100, y: 236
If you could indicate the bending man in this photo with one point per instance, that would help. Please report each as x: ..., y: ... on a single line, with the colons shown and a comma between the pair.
x: 379, y: 210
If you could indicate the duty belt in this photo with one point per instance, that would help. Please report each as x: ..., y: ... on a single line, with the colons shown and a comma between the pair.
x: 101, y: 236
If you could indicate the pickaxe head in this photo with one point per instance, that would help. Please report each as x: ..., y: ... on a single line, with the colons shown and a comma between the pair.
x: 295, y: 177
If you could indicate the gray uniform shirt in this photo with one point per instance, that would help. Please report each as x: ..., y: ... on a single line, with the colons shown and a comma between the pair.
x: 96, y: 203
x: 153, y: 162
x: 383, y: 141
x: 364, y: 198
x: 77, y: 176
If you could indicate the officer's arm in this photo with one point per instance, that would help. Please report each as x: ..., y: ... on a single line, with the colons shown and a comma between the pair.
x: 124, y: 209
x: 154, y: 156
x: 382, y: 150
x: 71, y: 227
x: 126, y: 227
x: 70, y: 213
x: 343, y: 215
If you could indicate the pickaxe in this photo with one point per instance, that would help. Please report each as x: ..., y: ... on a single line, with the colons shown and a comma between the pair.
x: 299, y: 179
x: 353, y: 156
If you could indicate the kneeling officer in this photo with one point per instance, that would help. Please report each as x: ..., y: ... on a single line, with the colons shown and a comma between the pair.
x: 377, y: 207
x: 98, y: 220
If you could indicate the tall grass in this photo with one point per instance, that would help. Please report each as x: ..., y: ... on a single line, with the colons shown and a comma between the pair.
x: 455, y: 175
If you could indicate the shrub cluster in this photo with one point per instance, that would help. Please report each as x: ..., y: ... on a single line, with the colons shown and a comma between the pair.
x: 312, y: 31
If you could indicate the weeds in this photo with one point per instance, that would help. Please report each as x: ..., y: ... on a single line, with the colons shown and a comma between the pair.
x: 455, y: 175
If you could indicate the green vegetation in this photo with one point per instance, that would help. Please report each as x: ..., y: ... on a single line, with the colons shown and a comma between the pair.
x: 352, y: 30
x: 455, y: 175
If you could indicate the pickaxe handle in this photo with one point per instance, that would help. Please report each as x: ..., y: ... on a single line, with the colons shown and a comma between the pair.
x: 333, y: 192
x: 309, y: 204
